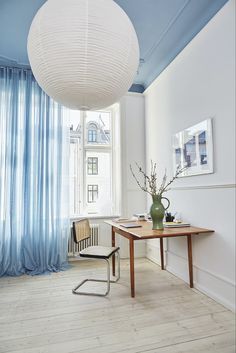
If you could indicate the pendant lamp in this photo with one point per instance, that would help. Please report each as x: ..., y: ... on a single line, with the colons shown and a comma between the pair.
x: 83, y: 53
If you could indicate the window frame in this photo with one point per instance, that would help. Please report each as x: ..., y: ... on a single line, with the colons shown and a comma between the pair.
x: 115, y: 155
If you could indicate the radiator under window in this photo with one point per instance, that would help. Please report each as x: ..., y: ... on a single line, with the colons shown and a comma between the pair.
x: 74, y: 249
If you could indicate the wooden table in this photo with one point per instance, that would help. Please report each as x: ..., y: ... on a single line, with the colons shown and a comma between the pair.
x: 146, y: 232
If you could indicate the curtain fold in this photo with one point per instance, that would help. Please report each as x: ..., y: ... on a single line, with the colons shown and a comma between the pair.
x: 34, y: 155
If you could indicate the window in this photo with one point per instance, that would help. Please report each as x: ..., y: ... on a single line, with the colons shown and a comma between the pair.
x: 94, y: 162
x: 92, y: 133
x: 92, y: 168
x: 92, y: 193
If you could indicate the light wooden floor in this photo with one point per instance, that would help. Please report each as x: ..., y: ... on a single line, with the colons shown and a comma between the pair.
x: 40, y: 315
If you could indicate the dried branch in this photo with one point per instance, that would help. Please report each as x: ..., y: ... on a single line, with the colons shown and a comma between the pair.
x: 163, y: 183
x: 144, y: 188
x: 179, y: 170
x: 150, y: 182
x: 146, y: 177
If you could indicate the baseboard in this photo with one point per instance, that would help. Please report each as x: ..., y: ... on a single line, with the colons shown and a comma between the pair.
x: 220, y: 289
x: 155, y: 260
x: 153, y: 253
x: 198, y: 268
x: 216, y: 287
x: 218, y: 298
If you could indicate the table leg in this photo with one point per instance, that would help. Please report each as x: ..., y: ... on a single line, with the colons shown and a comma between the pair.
x: 162, y: 254
x: 131, y: 254
x: 190, y: 260
x: 113, y: 243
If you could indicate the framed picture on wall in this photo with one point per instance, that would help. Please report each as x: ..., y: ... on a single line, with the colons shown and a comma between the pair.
x: 193, y: 147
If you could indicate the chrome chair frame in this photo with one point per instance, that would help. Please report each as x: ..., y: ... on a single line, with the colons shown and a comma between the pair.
x: 84, y: 235
x: 108, y: 280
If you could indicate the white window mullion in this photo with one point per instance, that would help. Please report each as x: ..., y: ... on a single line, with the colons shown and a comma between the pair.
x: 83, y: 181
x: 116, y: 159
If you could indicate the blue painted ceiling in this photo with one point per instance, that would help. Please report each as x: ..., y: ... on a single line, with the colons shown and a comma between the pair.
x: 164, y: 28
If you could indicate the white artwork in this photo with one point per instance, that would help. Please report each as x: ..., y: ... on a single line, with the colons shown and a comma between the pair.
x: 193, y: 148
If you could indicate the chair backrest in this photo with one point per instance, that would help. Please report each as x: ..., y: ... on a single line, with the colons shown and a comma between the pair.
x: 81, y: 230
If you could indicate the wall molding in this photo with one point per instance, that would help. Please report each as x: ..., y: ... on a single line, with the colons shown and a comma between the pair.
x: 197, y: 286
x: 203, y: 187
x: 133, y: 94
x: 154, y: 47
x: 199, y: 268
x: 183, y: 275
x: 155, y: 260
x: 217, y: 298
x: 8, y: 62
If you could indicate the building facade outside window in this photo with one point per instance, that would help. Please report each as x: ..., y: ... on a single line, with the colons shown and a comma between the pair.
x: 94, y: 162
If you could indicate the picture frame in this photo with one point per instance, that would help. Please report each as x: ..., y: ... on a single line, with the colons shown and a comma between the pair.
x: 193, y: 148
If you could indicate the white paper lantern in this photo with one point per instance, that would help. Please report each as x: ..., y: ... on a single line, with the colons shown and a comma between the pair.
x: 83, y: 53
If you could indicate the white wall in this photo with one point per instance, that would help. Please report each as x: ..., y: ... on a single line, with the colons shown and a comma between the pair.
x: 132, y: 110
x: 132, y: 116
x: 198, y: 84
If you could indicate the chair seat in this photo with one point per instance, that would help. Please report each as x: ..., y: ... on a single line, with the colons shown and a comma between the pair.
x: 99, y: 252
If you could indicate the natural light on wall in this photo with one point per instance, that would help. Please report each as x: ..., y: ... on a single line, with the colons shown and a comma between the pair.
x: 83, y: 53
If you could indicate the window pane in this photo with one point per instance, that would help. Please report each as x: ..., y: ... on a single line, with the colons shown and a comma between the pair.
x: 102, y: 180
x: 98, y: 128
x: 92, y: 167
x: 92, y: 193
x: 92, y: 133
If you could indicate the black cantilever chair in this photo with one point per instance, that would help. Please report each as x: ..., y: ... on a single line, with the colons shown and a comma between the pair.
x: 81, y: 231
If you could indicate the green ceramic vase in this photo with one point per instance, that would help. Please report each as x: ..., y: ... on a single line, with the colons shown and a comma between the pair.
x: 157, y: 211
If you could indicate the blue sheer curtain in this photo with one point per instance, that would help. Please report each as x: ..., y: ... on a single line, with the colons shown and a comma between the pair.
x: 34, y: 152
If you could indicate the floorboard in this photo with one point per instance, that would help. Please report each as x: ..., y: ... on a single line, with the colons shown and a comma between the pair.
x: 40, y: 314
